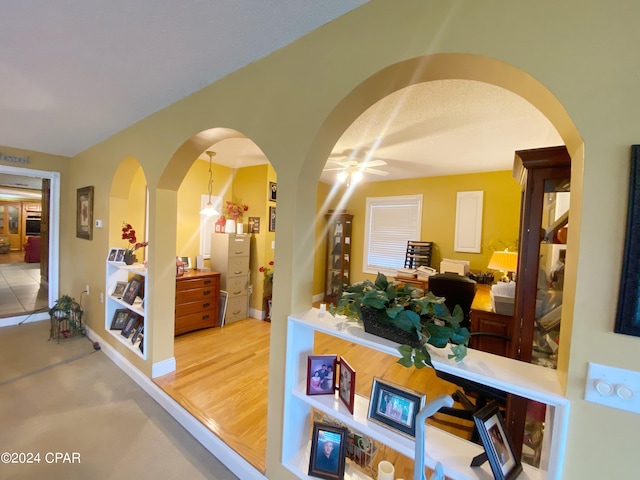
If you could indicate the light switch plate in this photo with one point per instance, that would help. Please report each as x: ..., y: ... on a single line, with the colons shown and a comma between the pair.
x: 613, y: 387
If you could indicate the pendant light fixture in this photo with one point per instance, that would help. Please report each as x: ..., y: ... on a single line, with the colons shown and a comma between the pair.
x: 209, y: 210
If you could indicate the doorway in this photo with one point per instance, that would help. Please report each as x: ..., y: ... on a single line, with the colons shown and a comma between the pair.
x: 27, y: 291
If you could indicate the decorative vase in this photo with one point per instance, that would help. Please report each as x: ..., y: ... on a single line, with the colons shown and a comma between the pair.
x: 230, y: 226
x: 129, y: 258
x: 239, y: 228
x: 386, y: 470
x: 374, y: 327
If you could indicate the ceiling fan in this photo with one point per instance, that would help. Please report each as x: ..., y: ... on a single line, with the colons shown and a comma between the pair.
x: 350, y: 168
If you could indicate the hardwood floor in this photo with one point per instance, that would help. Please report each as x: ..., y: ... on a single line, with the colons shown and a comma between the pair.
x: 221, y: 378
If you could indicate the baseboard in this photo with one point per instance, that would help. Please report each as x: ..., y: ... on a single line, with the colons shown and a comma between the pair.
x: 27, y: 318
x: 317, y: 298
x: 257, y: 314
x: 234, y: 462
x: 163, y: 367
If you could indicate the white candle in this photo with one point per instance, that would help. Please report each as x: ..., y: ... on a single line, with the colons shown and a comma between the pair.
x: 386, y: 470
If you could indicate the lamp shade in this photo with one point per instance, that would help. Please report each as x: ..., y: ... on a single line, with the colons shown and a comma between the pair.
x: 504, y: 261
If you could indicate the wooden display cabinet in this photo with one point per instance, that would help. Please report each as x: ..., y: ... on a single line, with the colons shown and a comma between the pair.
x: 338, y: 254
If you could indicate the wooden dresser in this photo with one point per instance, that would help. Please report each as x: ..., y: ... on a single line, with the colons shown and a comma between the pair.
x: 197, y: 298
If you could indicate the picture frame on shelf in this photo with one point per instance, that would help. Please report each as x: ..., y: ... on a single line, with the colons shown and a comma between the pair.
x: 321, y: 371
x: 272, y: 219
x: 129, y: 326
x: 273, y: 190
x: 498, y: 447
x: 120, y: 317
x: 112, y: 255
x: 84, y: 213
x: 254, y: 224
x: 141, y: 344
x: 186, y: 263
x: 395, y: 406
x: 132, y: 290
x: 346, y: 384
x: 137, y: 332
x: 120, y: 255
x: 328, y: 451
x: 118, y: 289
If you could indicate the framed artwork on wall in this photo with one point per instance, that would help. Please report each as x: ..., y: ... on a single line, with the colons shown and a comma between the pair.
x: 272, y: 219
x: 84, y: 213
x: 628, y: 314
x: 272, y: 191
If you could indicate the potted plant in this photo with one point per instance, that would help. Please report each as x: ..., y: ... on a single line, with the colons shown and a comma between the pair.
x: 400, y: 312
x: 129, y: 234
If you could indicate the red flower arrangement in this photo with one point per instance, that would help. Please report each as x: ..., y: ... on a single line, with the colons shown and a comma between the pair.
x: 235, y: 210
x: 268, y: 272
x: 128, y: 233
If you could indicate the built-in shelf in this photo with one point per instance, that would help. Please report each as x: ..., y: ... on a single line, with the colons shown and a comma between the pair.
x: 120, y: 272
x: 455, y: 454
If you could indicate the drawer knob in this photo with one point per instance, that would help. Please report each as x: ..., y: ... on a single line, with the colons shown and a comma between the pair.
x: 237, y: 312
x: 205, y: 305
x: 206, y: 292
x: 238, y: 273
x: 238, y: 292
x: 207, y: 282
x: 204, y: 317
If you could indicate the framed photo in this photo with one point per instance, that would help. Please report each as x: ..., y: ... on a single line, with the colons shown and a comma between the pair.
x: 254, y: 224
x: 130, y: 325
x: 120, y: 317
x: 84, y: 213
x: 328, y: 451
x: 141, y: 344
x: 137, y: 332
x: 498, y: 447
x: 131, y: 291
x: 119, y: 289
x: 272, y: 191
x: 628, y: 314
x: 321, y: 374
x: 272, y: 219
x: 347, y: 384
x: 120, y: 255
x: 187, y: 262
x: 395, y: 406
x: 112, y: 255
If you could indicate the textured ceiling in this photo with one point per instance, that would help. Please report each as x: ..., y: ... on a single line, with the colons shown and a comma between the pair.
x: 75, y: 73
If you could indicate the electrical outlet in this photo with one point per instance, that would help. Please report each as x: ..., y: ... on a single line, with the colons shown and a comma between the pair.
x: 86, y: 289
x: 101, y: 298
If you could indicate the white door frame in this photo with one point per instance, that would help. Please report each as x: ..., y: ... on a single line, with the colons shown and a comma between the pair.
x: 54, y: 238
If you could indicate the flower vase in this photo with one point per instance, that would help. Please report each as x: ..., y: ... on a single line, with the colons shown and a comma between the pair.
x: 230, y: 226
x: 129, y: 258
x: 239, y: 228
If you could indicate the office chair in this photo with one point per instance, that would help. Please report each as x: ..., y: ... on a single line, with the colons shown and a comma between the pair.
x: 460, y: 290
x: 456, y: 290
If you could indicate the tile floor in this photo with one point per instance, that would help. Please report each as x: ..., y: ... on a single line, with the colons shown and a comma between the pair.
x: 20, y: 289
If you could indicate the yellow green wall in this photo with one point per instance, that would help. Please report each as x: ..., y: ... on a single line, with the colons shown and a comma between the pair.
x: 500, y: 219
x: 573, y: 62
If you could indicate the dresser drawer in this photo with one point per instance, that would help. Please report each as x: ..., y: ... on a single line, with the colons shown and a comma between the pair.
x: 236, y: 309
x: 194, y: 321
x: 186, y: 296
x: 194, y: 283
x: 194, y: 307
x: 237, y: 286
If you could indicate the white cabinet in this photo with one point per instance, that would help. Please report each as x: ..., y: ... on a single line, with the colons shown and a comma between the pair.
x: 230, y: 257
x: 131, y: 276
x: 530, y: 381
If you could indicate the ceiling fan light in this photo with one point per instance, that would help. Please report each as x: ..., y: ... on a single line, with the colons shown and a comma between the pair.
x: 342, y: 176
x: 356, y: 177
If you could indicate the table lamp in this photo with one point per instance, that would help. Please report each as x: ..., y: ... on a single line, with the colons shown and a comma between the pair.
x: 504, y: 261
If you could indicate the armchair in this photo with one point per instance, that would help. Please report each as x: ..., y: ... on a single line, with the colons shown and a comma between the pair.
x: 32, y: 250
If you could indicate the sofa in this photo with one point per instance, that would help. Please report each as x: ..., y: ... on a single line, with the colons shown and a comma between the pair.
x: 32, y: 250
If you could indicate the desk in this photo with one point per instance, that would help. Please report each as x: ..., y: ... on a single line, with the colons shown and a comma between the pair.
x: 422, y: 283
x: 484, y: 319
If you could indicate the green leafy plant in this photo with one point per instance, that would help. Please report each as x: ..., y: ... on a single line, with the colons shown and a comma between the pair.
x: 407, y: 308
x: 67, y: 308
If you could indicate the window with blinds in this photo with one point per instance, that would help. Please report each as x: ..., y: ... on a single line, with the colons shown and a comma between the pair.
x: 390, y: 222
